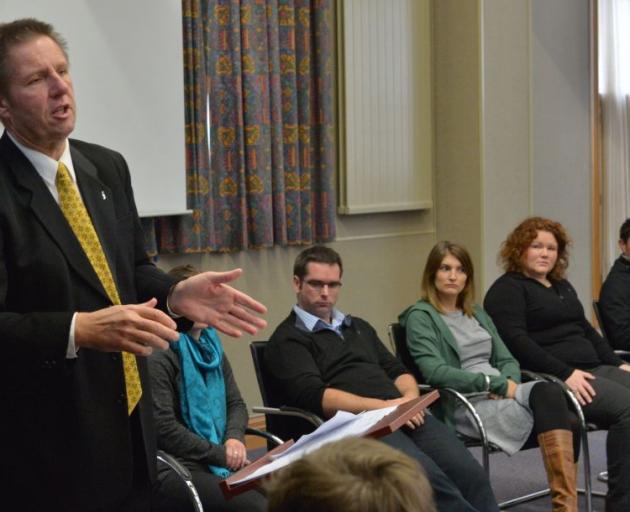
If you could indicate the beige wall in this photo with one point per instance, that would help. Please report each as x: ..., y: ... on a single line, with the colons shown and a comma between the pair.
x: 511, y: 110
x: 506, y: 99
x: 457, y: 118
x: 561, y: 139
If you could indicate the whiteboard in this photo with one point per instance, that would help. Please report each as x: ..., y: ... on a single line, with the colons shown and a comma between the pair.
x: 127, y: 67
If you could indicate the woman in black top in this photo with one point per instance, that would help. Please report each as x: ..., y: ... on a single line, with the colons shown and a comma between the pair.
x: 541, y: 320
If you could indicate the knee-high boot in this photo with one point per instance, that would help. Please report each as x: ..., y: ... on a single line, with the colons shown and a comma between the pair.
x: 557, y: 451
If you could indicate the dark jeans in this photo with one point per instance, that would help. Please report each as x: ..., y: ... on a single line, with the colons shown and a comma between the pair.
x: 171, y: 494
x: 459, y: 483
x: 549, y: 405
x: 610, y: 409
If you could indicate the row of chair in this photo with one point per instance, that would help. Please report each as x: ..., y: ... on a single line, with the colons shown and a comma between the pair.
x: 290, y: 422
x: 280, y: 418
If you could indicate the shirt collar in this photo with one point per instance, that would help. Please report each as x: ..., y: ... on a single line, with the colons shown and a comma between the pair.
x: 45, y: 166
x: 308, y: 322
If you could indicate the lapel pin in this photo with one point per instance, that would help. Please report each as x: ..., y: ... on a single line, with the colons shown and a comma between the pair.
x: 103, y: 195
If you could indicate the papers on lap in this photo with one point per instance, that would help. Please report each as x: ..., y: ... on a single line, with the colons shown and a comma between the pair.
x: 375, y: 423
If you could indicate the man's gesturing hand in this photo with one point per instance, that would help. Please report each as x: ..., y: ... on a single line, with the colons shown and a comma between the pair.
x: 134, y: 328
x: 207, y: 299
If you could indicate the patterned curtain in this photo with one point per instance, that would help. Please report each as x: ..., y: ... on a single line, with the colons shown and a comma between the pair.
x: 259, y: 87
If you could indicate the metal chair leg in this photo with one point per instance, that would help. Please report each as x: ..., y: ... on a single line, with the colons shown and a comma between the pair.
x: 184, y: 475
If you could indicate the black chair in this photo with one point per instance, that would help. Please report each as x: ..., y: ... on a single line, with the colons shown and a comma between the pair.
x: 398, y: 341
x: 623, y: 354
x: 285, y: 422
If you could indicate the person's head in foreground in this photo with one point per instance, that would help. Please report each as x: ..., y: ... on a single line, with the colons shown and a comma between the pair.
x: 351, y: 475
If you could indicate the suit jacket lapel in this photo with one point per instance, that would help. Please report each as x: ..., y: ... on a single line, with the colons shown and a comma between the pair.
x: 98, y: 200
x: 35, y: 193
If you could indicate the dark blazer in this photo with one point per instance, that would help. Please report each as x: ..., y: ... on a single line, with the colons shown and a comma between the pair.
x: 614, y: 304
x: 65, y: 431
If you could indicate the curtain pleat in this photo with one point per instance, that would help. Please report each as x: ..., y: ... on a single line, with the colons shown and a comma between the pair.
x: 260, y: 155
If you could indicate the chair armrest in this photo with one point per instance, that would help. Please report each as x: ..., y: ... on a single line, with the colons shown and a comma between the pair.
x: 623, y: 354
x: 549, y: 377
x: 174, y: 464
x: 464, y: 400
x: 273, y: 439
x: 290, y: 411
x: 531, y: 376
x: 483, y: 435
x: 567, y: 391
x: 182, y: 472
x: 426, y: 388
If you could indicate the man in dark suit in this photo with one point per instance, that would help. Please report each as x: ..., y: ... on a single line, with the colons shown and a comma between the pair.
x: 76, y: 429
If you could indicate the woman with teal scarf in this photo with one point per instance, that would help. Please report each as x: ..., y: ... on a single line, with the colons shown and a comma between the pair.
x: 200, y: 418
x: 455, y: 344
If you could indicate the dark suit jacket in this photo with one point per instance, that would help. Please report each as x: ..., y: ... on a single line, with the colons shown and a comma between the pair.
x: 65, y: 430
x: 614, y: 304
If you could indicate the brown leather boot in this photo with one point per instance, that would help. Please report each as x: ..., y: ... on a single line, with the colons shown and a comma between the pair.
x: 557, y: 451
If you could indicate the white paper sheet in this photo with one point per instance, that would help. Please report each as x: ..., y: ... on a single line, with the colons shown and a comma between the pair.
x: 341, y: 425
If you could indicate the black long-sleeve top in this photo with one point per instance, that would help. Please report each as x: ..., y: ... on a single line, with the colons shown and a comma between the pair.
x: 173, y: 436
x: 303, y: 364
x: 614, y: 304
x: 545, y: 328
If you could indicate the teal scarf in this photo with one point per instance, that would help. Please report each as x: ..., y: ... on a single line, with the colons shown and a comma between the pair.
x: 202, y: 392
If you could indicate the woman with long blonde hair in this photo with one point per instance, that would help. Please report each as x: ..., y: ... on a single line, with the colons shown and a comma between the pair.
x: 455, y: 344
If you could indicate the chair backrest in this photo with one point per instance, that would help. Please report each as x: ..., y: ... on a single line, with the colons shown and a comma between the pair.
x: 398, y: 340
x: 624, y: 354
x: 257, y: 349
x: 598, y: 315
x: 282, y: 426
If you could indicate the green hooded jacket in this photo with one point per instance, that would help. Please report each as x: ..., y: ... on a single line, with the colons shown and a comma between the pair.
x: 434, y: 350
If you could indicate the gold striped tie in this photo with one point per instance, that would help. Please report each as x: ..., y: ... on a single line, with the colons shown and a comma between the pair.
x: 77, y: 216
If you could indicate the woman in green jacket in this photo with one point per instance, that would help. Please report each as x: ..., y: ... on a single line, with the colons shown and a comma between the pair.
x: 455, y: 344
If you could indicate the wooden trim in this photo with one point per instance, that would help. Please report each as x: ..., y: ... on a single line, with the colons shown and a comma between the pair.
x: 596, y: 180
x: 255, y: 442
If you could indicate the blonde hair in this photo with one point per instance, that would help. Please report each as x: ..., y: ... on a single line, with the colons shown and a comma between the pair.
x: 351, y: 475
x: 466, y: 298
